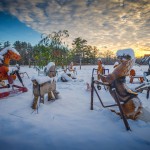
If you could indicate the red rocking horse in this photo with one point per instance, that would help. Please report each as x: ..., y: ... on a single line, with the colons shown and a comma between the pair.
x: 6, y: 55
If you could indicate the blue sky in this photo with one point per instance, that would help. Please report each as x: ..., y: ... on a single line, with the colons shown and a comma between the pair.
x: 11, y: 29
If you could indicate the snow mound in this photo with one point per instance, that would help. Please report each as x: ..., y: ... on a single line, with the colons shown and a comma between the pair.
x: 126, y: 52
x: 116, y: 63
x: 49, y: 65
x: 65, y: 76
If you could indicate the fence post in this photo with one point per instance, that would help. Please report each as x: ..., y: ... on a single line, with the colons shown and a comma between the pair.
x: 92, y: 92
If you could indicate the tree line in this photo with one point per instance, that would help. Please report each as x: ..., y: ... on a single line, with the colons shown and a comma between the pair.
x: 53, y: 47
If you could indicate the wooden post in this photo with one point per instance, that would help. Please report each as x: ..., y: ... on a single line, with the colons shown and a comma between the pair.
x: 121, y: 111
x: 80, y: 62
x: 92, y: 92
x: 148, y: 91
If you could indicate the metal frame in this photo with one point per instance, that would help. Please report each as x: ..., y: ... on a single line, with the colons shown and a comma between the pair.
x: 22, y: 74
x: 145, y: 86
x: 93, y: 89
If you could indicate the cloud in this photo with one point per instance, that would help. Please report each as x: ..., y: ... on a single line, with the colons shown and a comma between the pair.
x: 113, y: 23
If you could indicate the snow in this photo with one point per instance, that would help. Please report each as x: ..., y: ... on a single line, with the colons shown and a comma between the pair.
x: 127, y: 51
x: 147, y: 58
x: 68, y: 123
x: 49, y: 65
x: 41, y: 80
x: 1, y: 59
x: 4, y: 51
x: 65, y: 76
x: 138, y: 73
x: 148, y: 77
x: 116, y: 63
x: 99, y: 59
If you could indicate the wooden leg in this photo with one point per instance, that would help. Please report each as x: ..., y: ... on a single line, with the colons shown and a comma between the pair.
x: 34, y: 104
x: 131, y: 79
x: 49, y: 96
x: 42, y: 99
x: 141, y: 79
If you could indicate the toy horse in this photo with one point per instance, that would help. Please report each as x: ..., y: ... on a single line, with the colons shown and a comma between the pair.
x: 6, y: 55
x: 131, y: 104
x: 45, y: 85
x: 100, y: 68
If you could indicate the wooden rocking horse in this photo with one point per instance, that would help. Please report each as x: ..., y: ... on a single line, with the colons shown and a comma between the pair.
x: 6, y: 55
x: 45, y: 85
x: 127, y: 101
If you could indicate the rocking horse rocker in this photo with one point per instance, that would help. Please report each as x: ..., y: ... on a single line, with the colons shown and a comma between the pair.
x: 6, y: 55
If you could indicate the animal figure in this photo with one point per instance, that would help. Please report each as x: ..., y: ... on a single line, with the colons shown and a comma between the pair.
x: 100, y: 68
x: 45, y: 85
x: 7, y: 54
x: 71, y: 70
x: 40, y: 89
x: 121, y: 70
x: 131, y: 103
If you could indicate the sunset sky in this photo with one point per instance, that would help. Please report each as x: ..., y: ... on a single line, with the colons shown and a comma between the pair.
x: 107, y: 24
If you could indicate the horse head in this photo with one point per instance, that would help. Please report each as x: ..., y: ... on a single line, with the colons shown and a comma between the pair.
x: 13, y: 55
x: 9, y: 53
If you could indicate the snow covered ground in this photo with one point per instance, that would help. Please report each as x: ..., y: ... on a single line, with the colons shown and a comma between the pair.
x: 68, y: 123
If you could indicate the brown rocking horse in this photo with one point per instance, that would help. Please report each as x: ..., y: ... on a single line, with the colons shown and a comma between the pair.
x: 6, y: 55
x: 48, y: 86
